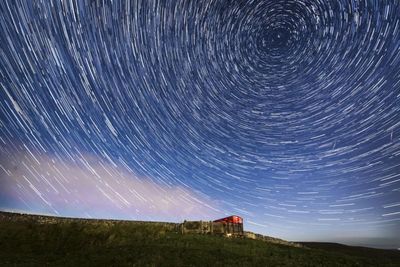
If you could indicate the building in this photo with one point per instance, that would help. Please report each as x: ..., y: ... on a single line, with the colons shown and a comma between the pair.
x: 229, y: 226
x: 233, y: 224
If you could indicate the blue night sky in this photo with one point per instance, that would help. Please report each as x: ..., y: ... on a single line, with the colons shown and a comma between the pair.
x: 284, y: 112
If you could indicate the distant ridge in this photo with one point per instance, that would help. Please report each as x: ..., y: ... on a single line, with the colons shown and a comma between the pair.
x: 353, y: 250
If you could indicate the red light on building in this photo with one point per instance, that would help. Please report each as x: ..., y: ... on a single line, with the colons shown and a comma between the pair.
x: 231, y: 219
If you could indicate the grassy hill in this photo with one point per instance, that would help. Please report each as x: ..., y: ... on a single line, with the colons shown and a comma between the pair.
x: 29, y: 240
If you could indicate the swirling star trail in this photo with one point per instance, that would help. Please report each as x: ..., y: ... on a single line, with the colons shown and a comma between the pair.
x: 285, y: 112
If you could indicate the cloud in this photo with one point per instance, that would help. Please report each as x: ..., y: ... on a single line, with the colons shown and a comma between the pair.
x: 91, y: 187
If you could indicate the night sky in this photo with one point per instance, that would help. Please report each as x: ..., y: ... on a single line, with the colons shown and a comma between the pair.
x: 285, y: 112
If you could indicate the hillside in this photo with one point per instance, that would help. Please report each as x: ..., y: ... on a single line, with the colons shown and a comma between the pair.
x: 29, y: 240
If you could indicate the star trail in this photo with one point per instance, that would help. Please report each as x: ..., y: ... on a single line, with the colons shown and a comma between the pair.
x: 286, y: 113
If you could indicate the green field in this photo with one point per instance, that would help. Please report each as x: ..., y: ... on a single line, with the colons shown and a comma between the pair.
x: 39, y: 241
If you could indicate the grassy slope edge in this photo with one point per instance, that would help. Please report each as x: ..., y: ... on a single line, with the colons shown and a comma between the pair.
x: 26, y: 241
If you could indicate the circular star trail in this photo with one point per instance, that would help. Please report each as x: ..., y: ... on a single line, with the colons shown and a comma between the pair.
x: 284, y: 112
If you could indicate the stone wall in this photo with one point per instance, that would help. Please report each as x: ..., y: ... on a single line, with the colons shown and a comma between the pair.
x: 269, y: 239
x: 187, y: 227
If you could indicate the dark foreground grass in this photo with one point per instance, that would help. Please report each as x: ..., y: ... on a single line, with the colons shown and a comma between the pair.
x: 105, y: 243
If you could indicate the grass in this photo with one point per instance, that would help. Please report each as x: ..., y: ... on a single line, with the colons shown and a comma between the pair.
x: 77, y: 242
